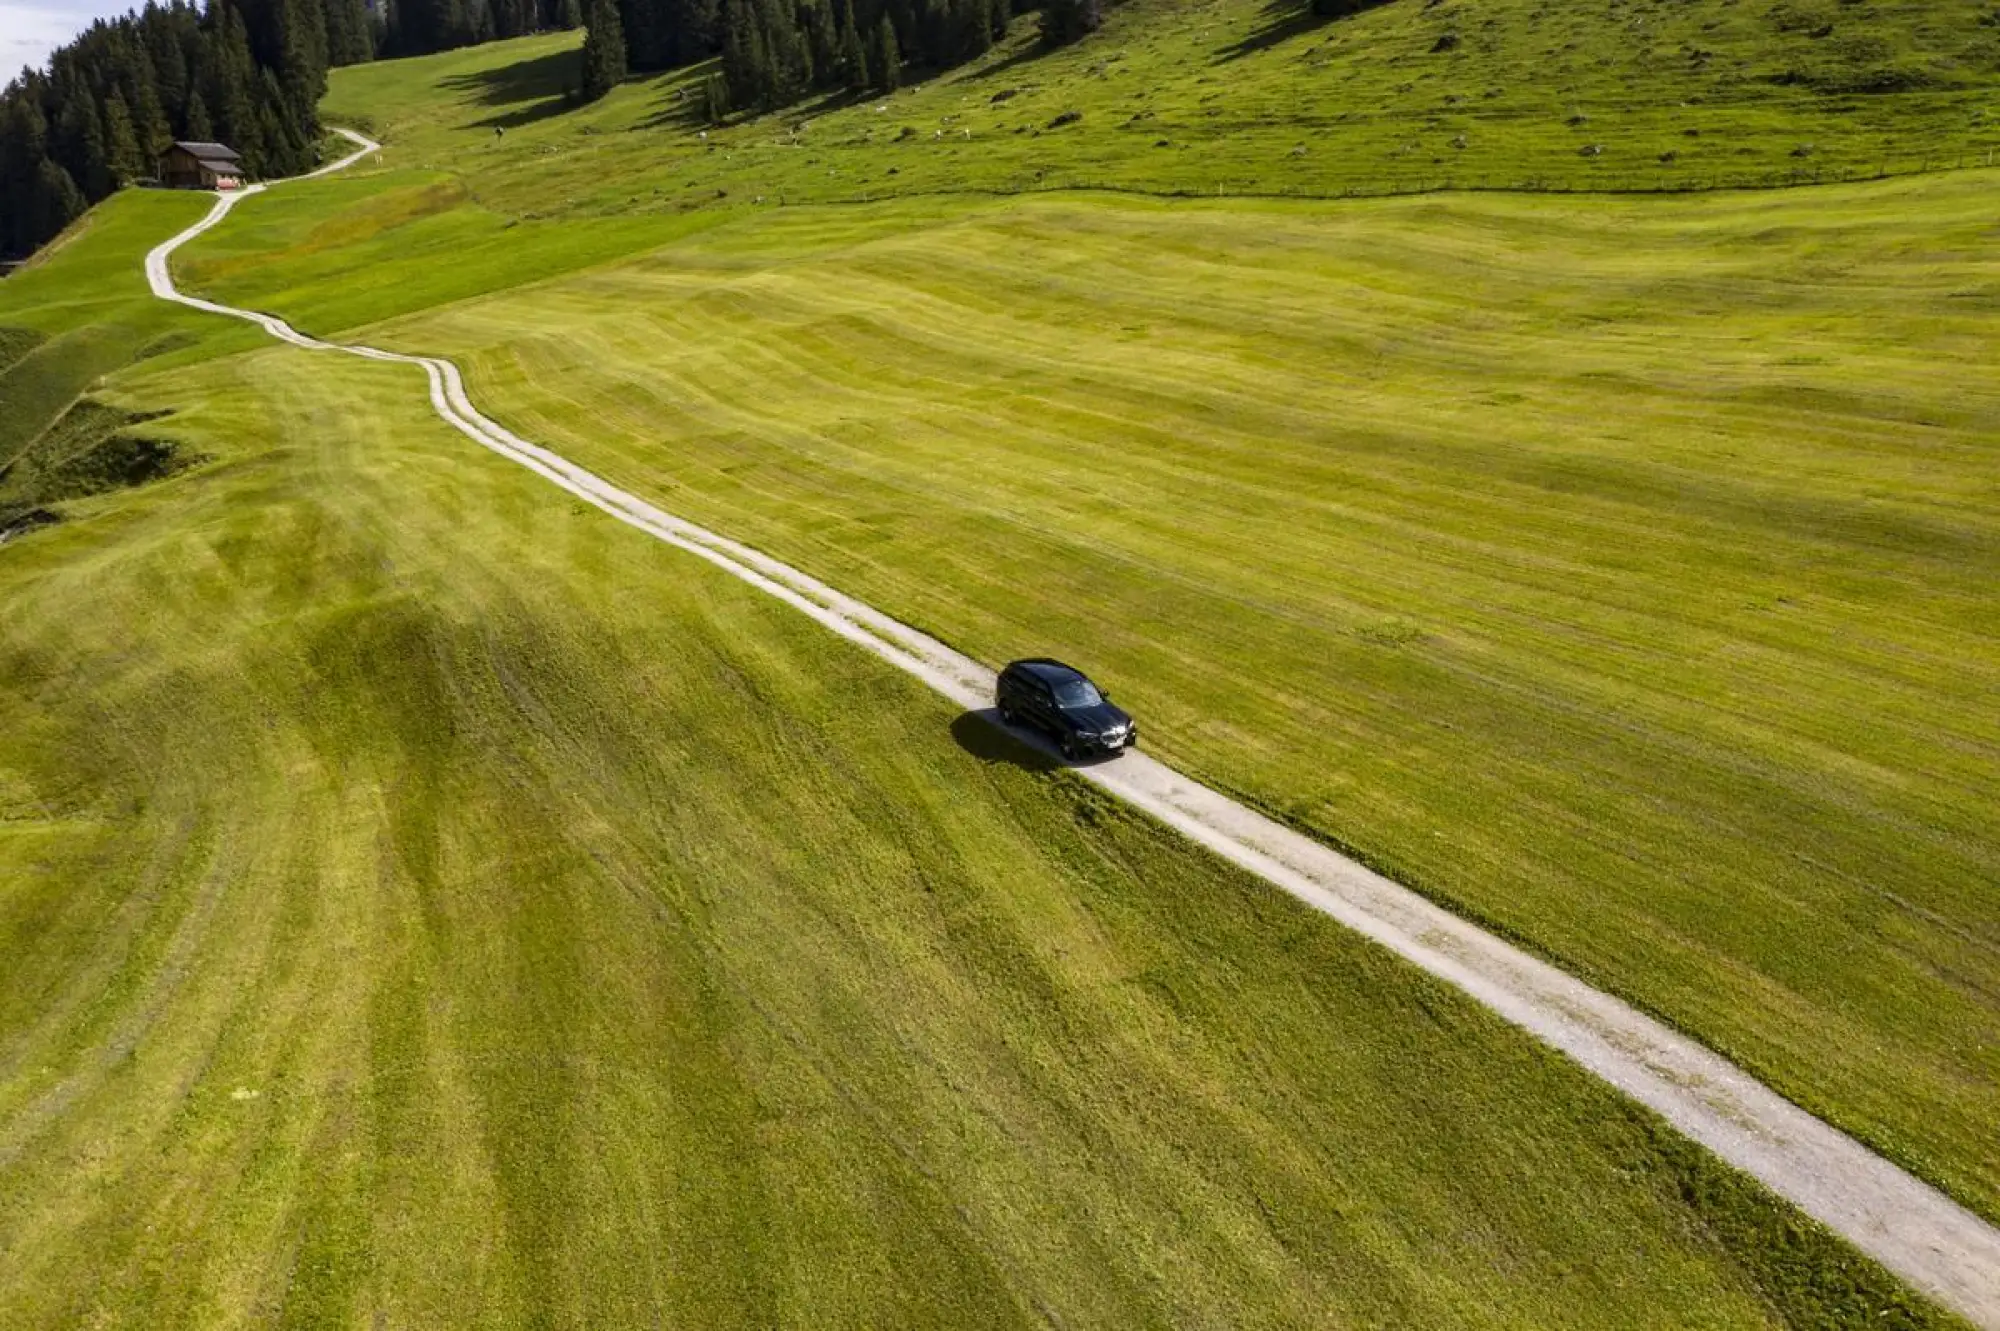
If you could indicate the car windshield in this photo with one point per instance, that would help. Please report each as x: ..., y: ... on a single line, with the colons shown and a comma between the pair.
x: 1077, y: 693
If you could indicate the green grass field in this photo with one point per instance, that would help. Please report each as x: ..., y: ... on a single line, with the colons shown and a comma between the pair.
x: 425, y: 902
x: 1617, y: 571
x: 428, y: 903
x: 1255, y: 96
x: 1234, y: 97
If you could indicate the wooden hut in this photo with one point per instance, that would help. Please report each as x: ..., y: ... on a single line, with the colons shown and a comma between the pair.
x: 200, y: 166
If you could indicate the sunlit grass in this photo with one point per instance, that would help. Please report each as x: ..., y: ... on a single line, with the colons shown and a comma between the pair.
x: 425, y: 902
x: 1617, y: 571
x: 1246, y: 96
x: 428, y: 903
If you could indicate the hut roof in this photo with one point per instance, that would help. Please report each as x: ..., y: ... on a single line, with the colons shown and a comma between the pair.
x: 209, y: 152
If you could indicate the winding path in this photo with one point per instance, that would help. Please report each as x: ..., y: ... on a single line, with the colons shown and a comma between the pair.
x: 1908, y: 1226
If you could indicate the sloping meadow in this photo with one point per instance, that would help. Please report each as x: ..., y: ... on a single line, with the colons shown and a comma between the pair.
x: 429, y: 903
x: 1617, y: 572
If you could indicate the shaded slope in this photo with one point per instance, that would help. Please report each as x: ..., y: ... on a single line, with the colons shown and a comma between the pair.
x: 92, y: 449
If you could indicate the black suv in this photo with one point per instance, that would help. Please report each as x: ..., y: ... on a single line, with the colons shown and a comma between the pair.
x: 1060, y: 700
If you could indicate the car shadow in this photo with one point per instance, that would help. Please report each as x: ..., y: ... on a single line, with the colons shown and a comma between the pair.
x: 986, y: 737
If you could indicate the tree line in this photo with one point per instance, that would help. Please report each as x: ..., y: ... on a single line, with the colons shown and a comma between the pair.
x: 418, y: 27
x: 246, y: 73
x: 776, y: 51
x: 250, y: 73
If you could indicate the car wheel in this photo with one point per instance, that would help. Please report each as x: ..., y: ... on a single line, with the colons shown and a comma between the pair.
x: 1069, y: 749
x: 1008, y: 716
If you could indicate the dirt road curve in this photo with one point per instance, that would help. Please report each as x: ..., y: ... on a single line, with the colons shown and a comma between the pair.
x: 1910, y: 1227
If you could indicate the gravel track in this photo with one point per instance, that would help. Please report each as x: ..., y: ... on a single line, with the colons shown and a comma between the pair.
x: 1916, y: 1231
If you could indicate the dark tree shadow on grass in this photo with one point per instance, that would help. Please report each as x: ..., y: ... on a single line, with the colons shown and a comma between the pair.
x: 1028, y: 54
x: 1282, y: 20
x: 688, y: 112
x: 527, y: 115
x: 544, y: 76
x: 542, y: 83
x: 839, y: 99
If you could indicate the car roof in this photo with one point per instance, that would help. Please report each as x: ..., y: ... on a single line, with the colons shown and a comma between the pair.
x: 1055, y: 672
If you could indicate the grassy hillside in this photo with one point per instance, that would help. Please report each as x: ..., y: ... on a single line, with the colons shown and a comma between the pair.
x: 1254, y: 96
x: 427, y: 903
x: 90, y: 449
x: 78, y: 322
x: 1616, y: 571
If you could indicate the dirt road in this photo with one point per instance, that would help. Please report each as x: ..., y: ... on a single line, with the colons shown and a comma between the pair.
x: 1910, y: 1227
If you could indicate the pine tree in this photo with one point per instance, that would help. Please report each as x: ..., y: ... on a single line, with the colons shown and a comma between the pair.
x: 228, y: 87
x: 903, y: 17
x: 198, y: 127
x: 763, y: 77
x: 972, y: 29
x: 1067, y: 20
x: 54, y: 203
x: 286, y: 138
x: 274, y: 154
x: 78, y: 143
x: 511, y: 18
x: 853, y: 64
x: 603, y: 49
x: 392, y: 36
x: 301, y: 71
x: 194, y: 41
x: 644, y: 25
x: 693, y: 30
x: 820, y: 39
x: 24, y: 134
x: 788, y: 61
x: 348, y: 40
x: 289, y: 38
x: 142, y: 91
x: 121, y: 143
x: 888, y: 60
x: 169, y: 61
x: 423, y: 26
x: 743, y: 57
x: 381, y: 28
